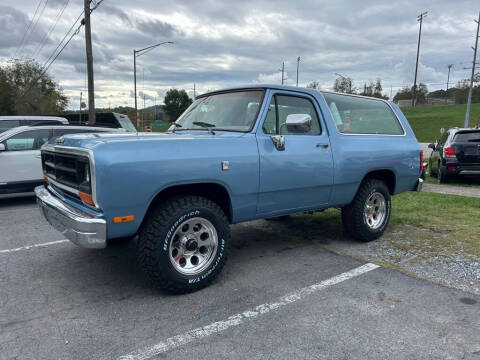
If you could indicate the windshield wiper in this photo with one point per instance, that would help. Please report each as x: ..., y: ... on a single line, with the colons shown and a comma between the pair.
x: 205, y: 125
x: 176, y: 125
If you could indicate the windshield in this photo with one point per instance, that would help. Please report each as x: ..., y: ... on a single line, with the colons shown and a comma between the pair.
x: 234, y: 111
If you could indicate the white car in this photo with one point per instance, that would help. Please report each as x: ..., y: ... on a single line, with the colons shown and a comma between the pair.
x: 9, y: 122
x: 20, y: 164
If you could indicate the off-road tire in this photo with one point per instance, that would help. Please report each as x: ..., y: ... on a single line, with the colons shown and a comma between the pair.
x: 353, y: 214
x: 157, y: 233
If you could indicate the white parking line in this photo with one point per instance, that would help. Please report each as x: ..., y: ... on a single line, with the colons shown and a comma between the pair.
x: 235, y: 320
x: 7, y: 251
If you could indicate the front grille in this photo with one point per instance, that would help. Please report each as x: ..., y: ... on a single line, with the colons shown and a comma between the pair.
x: 67, y: 169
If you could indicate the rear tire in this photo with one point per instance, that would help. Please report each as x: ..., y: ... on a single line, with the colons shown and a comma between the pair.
x: 432, y: 173
x: 184, y: 243
x: 367, y: 216
x: 441, y: 175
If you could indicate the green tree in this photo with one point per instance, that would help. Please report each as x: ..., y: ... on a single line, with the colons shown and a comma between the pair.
x: 176, y: 102
x: 33, y: 91
x: 343, y: 85
x: 314, y: 85
x: 374, y: 89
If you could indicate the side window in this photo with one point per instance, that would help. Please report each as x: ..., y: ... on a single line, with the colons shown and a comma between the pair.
x: 28, y: 140
x: 288, y: 105
x: 357, y: 115
x: 8, y: 124
x: 270, y: 123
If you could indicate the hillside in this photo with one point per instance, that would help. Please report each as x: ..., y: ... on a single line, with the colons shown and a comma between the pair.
x: 427, y: 121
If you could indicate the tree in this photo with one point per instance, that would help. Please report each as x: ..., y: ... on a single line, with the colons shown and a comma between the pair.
x: 314, y: 85
x: 343, y: 85
x: 27, y: 90
x: 406, y: 94
x: 176, y: 102
x: 374, y: 90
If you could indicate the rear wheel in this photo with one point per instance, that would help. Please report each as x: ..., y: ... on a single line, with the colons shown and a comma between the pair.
x: 367, y: 216
x: 432, y: 173
x: 441, y: 174
x: 184, y: 244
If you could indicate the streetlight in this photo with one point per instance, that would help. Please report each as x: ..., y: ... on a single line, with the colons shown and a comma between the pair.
x: 349, y: 82
x: 137, y: 53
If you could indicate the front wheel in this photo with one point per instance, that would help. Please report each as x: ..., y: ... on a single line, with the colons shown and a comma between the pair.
x: 184, y: 244
x: 367, y: 216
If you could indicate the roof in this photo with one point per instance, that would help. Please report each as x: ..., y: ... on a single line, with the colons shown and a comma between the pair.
x: 26, y: 117
x: 20, y: 129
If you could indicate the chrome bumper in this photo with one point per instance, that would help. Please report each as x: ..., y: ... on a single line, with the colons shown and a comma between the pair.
x: 419, y: 185
x: 80, y: 228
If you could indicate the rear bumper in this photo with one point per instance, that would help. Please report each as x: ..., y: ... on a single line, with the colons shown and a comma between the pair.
x: 419, y: 185
x: 80, y: 228
x: 463, y: 169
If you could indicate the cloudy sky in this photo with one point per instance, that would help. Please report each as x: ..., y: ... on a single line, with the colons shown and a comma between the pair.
x: 224, y: 43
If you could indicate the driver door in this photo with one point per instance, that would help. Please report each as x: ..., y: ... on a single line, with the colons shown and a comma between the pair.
x: 300, y: 177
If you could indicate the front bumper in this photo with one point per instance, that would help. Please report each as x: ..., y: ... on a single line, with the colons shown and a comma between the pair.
x: 80, y: 228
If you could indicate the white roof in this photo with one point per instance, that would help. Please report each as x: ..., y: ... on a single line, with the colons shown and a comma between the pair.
x: 25, y: 117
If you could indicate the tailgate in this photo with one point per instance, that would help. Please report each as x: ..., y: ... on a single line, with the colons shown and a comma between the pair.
x: 467, y: 146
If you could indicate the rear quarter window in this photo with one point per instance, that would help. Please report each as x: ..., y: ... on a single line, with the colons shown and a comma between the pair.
x: 358, y: 115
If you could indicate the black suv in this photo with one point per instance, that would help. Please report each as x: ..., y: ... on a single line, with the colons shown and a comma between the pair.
x: 456, y: 153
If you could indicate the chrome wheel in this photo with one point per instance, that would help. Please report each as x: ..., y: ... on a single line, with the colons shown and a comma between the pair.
x: 375, y: 210
x: 193, y: 246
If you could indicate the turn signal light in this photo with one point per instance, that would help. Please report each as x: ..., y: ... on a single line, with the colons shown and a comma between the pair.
x: 86, y: 198
x: 123, y: 219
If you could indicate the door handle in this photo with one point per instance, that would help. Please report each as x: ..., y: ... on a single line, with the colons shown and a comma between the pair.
x: 323, y: 146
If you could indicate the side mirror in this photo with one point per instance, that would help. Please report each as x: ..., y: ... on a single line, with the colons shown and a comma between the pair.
x: 2, y: 147
x: 431, y: 146
x: 301, y: 123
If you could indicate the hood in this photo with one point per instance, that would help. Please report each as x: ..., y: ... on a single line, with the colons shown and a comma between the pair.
x: 91, y: 141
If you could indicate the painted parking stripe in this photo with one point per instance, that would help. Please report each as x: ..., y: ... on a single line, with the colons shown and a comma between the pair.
x: 235, y: 320
x: 8, y: 251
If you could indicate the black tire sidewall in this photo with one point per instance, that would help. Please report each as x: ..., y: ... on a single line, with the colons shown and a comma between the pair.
x: 167, y: 234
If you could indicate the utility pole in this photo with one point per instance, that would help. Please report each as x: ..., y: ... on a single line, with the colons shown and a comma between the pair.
x: 283, y: 71
x: 80, y: 110
x: 88, y: 45
x: 154, y: 109
x: 448, y: 81
x: 298, y: 65
x: 414, y: 90
x: 469, y: 102
x: 194, y: 93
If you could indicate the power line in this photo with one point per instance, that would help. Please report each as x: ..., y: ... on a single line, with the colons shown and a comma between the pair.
x: 36, y: 23
x: 50, y: 30
x: 28, y: 28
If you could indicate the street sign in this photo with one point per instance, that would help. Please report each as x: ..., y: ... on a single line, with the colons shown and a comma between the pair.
x: 148, y: 128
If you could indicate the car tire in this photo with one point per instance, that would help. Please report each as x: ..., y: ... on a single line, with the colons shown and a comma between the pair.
x: 184, y: 244
x: 432, y: 173
x: 441, y: 175
x: 367, y: 216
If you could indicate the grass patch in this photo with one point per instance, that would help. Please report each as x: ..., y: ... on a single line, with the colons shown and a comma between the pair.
x: 423, y: 224
x: 426, y: 121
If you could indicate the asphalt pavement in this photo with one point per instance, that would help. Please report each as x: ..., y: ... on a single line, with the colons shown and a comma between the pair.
x: 275, y: 299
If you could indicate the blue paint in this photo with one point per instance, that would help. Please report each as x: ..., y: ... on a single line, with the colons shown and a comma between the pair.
x: 261, y: 181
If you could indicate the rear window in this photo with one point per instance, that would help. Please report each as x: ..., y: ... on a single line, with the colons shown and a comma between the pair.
x: 357, y: 115
x: 471, y: 136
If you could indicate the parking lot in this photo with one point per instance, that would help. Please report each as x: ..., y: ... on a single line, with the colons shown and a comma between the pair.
x: 276, y: 298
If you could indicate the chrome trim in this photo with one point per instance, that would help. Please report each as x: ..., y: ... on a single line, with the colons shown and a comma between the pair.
x: 80, y: 228
x: 82, y: 152
x: 469, y: 172
x: 62, y: 186
x: 370, y: 98
x: 419, y: 186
